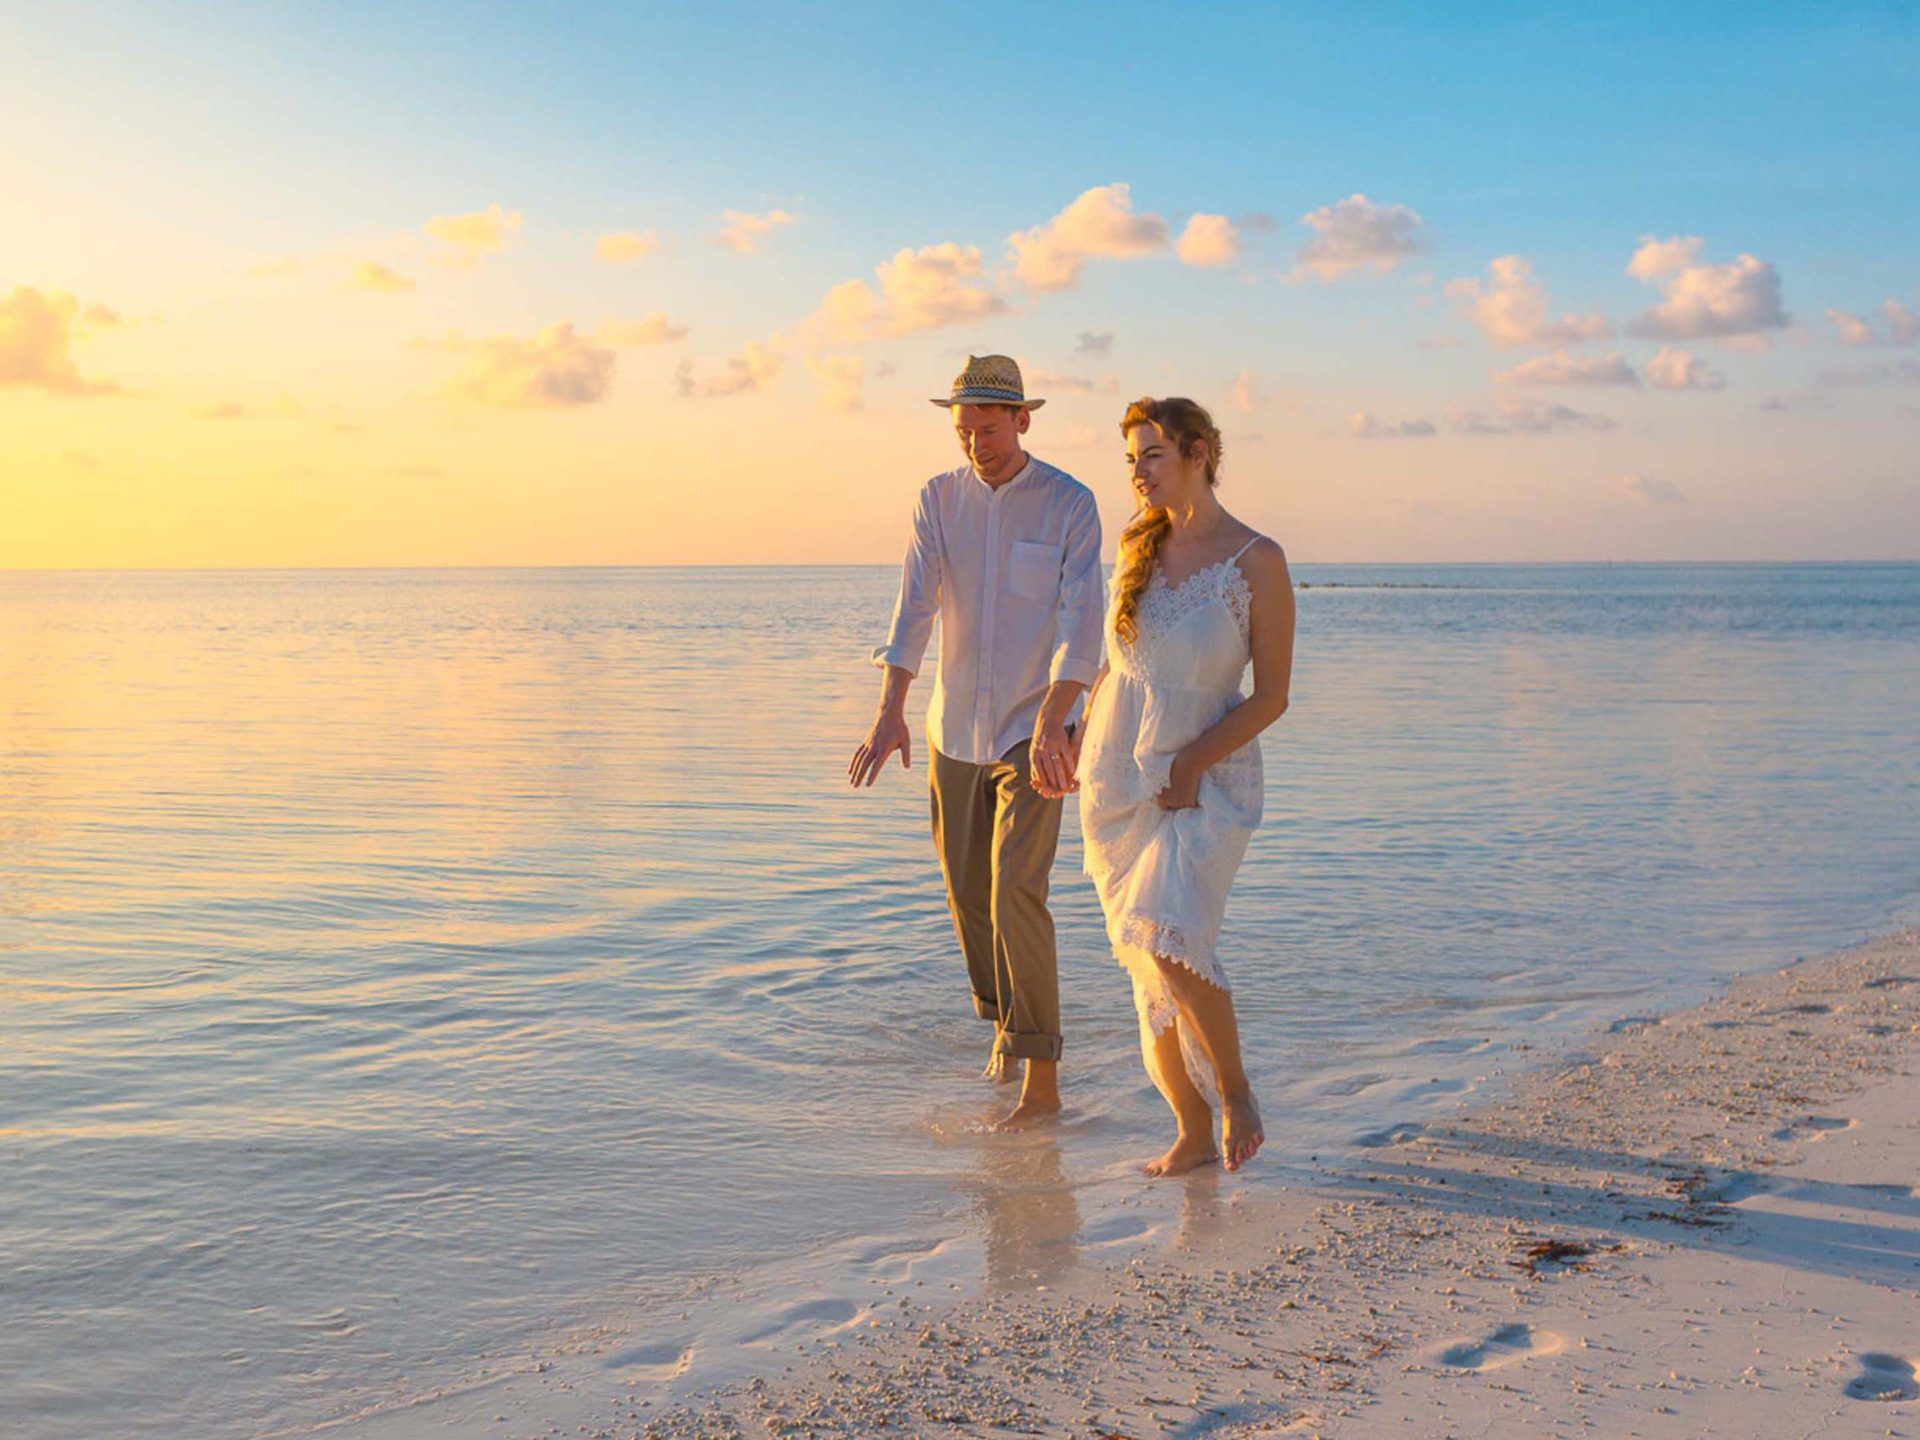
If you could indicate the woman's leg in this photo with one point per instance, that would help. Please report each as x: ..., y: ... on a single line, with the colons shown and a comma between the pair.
x: 1207, y: 1012
x: 1193, y: 1145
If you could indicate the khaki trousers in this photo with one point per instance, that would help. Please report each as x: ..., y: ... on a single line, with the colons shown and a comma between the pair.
x: 996, y: 837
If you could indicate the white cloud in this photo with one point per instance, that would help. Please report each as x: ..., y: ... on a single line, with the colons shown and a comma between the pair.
x: 37, y: 333
x: 1042, y: 382
x: 1560, y: 368
x: 1705, y: 302
x: 1673, y: 369
x: 752, y: 369
x: 1101, y: 222
x: 650, y: 329
x: 1094, y: 342
x: 916, y: 290
x: 472, y: 237
x: 1656, y: 258
x: 842, y: 379
x: 1209, y: 240
x: 744, y: 232
x: 553, y: 369
x: 1244, y: 394
x: 1523, y: 417
x: 1356, y: 234
x: 1511, y: 308
x: 1650, y: 491
x: 1880, y: 372
x: 1365, y: 425
x: 1903, y: 327
x: 371, y: 275
x: 625, y: 247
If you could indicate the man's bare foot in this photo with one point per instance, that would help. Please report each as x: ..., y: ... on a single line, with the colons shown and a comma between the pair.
x: 1240, y: 1132
x: 1031, y: 1109
x: 1189, y: 1152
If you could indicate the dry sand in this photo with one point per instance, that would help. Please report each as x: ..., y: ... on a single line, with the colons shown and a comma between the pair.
x: 1707, y: 1225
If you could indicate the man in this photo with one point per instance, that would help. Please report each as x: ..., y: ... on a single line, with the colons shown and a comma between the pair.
x: 1006, y: 552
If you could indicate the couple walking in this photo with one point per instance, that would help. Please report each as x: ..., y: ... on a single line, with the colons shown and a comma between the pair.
x: 1005, y: 553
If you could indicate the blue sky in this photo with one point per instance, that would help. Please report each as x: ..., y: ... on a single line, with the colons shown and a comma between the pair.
x: 158, y: 151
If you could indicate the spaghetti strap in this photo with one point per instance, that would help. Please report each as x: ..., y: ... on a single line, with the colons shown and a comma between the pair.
x: 1243, y: 549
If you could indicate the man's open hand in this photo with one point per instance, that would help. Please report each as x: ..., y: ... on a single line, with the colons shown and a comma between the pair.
x: 889, y: 733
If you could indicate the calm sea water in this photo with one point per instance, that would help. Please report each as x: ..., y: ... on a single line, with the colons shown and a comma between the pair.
x: 411, y: 973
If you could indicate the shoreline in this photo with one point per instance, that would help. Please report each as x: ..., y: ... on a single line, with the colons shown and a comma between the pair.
x: 1681, y: 1232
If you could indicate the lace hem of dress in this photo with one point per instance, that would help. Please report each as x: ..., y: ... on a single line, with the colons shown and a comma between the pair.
x: 1136, y: 941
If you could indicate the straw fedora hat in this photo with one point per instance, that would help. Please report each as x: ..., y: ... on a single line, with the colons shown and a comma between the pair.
x: 990, y: 380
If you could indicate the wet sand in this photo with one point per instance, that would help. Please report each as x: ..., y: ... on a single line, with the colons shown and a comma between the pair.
x: 1706, y: 1225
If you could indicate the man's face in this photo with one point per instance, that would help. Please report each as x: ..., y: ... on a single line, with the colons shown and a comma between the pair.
x: 990, y: 438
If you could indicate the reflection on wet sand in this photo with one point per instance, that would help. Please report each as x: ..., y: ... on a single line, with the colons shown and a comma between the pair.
x: 1031, y: 1217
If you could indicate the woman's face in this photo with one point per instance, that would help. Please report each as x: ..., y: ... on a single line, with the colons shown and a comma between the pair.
x: 1162, y: 476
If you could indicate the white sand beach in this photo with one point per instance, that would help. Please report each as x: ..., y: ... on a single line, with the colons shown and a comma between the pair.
x: 1709, y: 1226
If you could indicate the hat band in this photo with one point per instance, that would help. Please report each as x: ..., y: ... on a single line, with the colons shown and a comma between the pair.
x: 994, y: 392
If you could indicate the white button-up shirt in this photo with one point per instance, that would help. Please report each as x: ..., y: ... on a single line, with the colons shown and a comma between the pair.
x: 1014, y: 576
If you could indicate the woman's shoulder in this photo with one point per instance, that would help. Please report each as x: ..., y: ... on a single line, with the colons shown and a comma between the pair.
x: 1260, y: 554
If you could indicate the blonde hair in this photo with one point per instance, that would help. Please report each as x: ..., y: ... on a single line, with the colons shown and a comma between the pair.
x: 1187, y: 425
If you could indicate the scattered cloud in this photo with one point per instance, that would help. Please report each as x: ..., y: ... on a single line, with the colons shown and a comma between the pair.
x: 842, y: 379
x: 371, y: 275
x: 651, y: 329
x: 1656, y: 258
x: 37, y: 333
x: 553, y: 369
x: 916, y: 290
x: 625, y: 247
x: 1903, y: 327
x: 1523, y: 417
x: 222, y: 410
x: 1673, y: 369
x: 743, y: 232
x: 1094, y: 342
x: 1650, y: 491
x: 1365, y: 425
x: 1560, y: 368
x: 754, y: 368
x: 1040, y: 381
x: 470, y: 238
x: 1705, y: 302
x: 1101, y: 222
x: 1356, y: 234
x: 1209, y: 241
x: 1782, y: 404
x: 1511, y: 308
x: 1244, y: 394
x: 1880, y: 372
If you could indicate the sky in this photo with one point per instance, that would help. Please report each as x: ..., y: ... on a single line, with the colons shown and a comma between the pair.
x: 481, y: 284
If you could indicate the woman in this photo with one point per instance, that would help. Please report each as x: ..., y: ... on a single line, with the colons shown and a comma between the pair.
x: 1169, y: 772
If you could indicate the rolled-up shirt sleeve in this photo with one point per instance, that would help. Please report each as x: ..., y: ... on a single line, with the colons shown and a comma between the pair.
x: 1083, y: 598
x: 919, y: 600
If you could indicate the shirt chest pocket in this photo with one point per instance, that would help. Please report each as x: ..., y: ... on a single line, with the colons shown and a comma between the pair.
x: 1033, y: 570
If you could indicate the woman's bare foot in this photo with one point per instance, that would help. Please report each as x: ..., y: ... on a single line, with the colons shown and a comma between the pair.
x: 1189, y: 1152
x: 1240, y: 1132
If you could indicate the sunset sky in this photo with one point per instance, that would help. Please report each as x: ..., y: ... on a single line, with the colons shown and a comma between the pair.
x: 418, y: 284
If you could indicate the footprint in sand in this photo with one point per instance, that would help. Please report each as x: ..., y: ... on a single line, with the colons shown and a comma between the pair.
x: 828, y: 1315
x: 663, y: 1360
x: 1505, y: 1346
x: 1390, y: 1135
x: 1884, y: 1377
x: 1813, y: 1127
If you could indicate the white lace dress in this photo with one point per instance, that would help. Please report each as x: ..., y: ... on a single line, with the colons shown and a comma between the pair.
x: 1163, y: 875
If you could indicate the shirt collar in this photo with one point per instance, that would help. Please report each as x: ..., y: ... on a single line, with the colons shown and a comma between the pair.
x: 1020, y: 476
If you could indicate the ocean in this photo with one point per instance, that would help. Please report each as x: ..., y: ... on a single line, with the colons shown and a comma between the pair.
x: 409, y: 975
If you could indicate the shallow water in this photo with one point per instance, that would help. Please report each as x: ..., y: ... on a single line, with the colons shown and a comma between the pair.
x: 405, y: 972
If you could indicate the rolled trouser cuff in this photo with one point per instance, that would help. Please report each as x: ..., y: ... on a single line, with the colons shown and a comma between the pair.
x: 1028, y: 1047
x: 987, y: 1009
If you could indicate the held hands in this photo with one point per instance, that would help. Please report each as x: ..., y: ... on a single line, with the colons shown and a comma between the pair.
x: 1054, y: 758
x: 889, y: 733
x: 1183, y: 786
